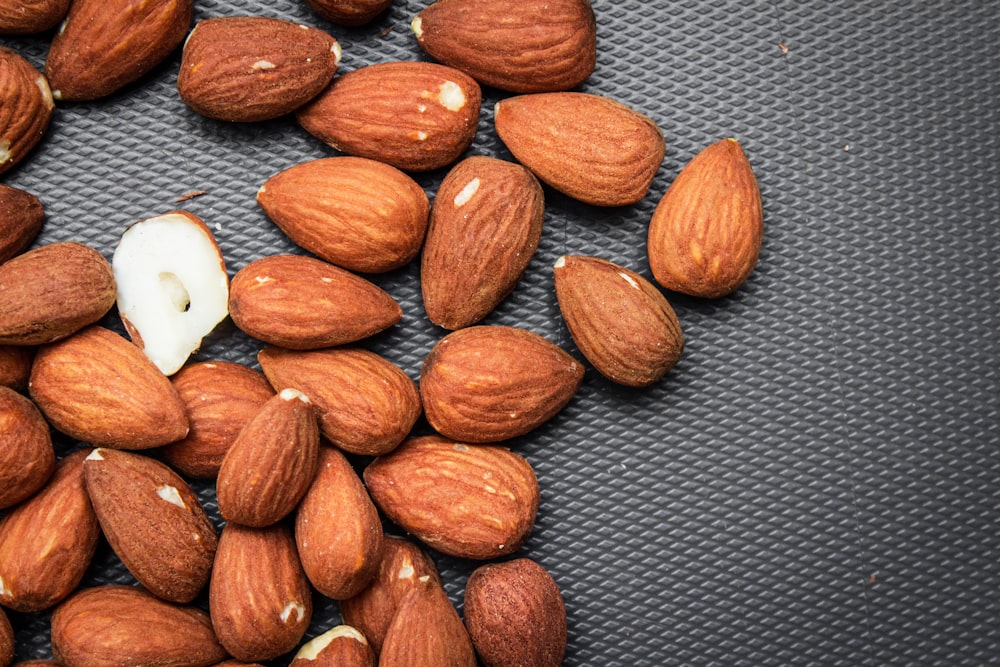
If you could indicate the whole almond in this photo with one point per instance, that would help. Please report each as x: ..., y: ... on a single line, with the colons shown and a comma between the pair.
x: 587, y: 146
x: 485, y: 226
x: 21, y: 218
x: 416, y: 116
x: 105, y: 45
x: 114, y: 625
x: 254, y: 68
x: 620, y: 321
x: 219, y: 397
x: 303, y: 303
x: 98, y: 387
x: 52, y: 291
x: 30, y: 17
x: 6, y: 640
x: 47, y: 542
x: 365, y: 404
x: 491, y: 383
x: 470, y: 501
x: 259, y: 597
x: 340, y: 646
x: 352, y: 13
x: 153, y: 521
x: 15, y: 366
x: 338, y: 530
x: 272, y: 462
x: 427, y: 631
x: 522, y: 46
x: 27, y: 457
x: 706, y: 232
x: 360, y: 214
x: 25, y: 107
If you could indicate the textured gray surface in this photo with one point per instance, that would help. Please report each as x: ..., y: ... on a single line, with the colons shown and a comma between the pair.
x: 817, y: 481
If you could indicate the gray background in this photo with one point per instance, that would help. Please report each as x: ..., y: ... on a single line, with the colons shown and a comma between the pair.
x: 817, y: 481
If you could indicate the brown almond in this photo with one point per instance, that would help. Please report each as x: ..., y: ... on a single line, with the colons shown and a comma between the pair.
x: 27, y: 457
x: 21, y: 218
x: 340, y: 646
x: 6, y: 640
x: 427, y: 631
x: 15, y: 366
x: 485, y: 226
x: 25, y: 107
x: 30, y: 17
x: 352, y: 13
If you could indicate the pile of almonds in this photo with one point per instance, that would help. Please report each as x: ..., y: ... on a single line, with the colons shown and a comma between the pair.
x: 313, y: 452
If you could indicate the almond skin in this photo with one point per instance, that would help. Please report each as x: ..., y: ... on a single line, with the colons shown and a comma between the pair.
x: 491, y: 383
x: 259, y: 597
x: 272, y: 462
x: 365, y: 404
x: 485, y: 226
x: 706, y: 232
x: 153, y: 521
x: 15, y: 366
x: 47, y: 542
x: 303, y: 303
x: 25, y: 107
x: 97, y: 387
x: 6, y: 640
x: 589, y: 147
x: 254, y: 68
x: 121, y: 625
x: 519, y: 46
x: 351, y: 13
x: 621, y: 322
x: 340, y: 646
x: 338, y: 530
x: 105, y: 45
x: 427, y: 631
x: 27, y: 457
x: 416, y: 116
x: 21, y: 218
x: 469, y: 501
x: 360, y: 214
x: 50, y: 292
x: 30, y: 17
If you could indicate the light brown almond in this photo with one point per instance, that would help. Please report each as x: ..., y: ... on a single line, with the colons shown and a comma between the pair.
x: 27, y: 457
x: 427, y: 631
x: 26, y: 107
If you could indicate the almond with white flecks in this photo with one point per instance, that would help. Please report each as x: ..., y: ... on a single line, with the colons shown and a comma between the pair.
x: 340, y: 646
x: 25, y: 107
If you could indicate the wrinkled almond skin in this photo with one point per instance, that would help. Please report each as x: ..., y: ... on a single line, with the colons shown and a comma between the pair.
x: 491, y: 383
x: 470, y: 501
x: 338, y: 530
x: 340, y: 646
x: 402, y: 568
x: 118, y: 625
x: 621, y: 322
x: 25, y: 107
x: 219, y: 397
x: 254, y: 68
x: 303, y: 303
x: 351, y: 13
x: 485, y: 226
x: 360, y: 214
x: 30, y: 17
x: 21, y: 218
x: 521, y: 46
x: 6, y: 640
x: 587, y: 146
x: 50, y: 292
x: 365, y: 404
x: 416, y: 116
x: 427, y: 631
x: 271, y: 464
x: 104, y: 45
x: 259, y: 597
x: 515, y: 615
x: 47, y: 542
x: 706, y: 232
x: 98, y: 387
x: 27, y: 457
x: 15, y: 366
x: 153, y: 521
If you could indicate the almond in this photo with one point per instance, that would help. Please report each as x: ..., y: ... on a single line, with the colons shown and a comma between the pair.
x: 416, y: 116
x: 254, y: 68
x: 351, y: 13
x: 515, y: 615
x: 303, y: 303
x: 27, y: 457
x: 52, y: 291
x: 340, y: 646
x: 259, y: 597
x: 25, y: 107
x: 365, y: 404
x: 272, y: 462
x: 21, y: 218
x: 153, y: 521
x: 104, y: 45
x: 338, y: 530
x: 15, y: 366
x: 100, y: 626
x: 30, y: 17
x: 97, y: 387
x: 219, y: 397
x: 491, y: 383
x: 706, y: 232
x: 427, y: 631
x: 587, y: 146
x: 48, y: 542
x: 6, y: 640
x: 470, y: 501
x: 620, y: 321
x: 522, y: 46
x: 360, y: 214
x: 485, y: 226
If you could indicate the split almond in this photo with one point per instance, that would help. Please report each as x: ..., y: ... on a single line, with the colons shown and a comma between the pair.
x: 427, y: 631
x: 340, y: 646
x: 25, y: 107
x: 21, y: 218
x: 27, y: 457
